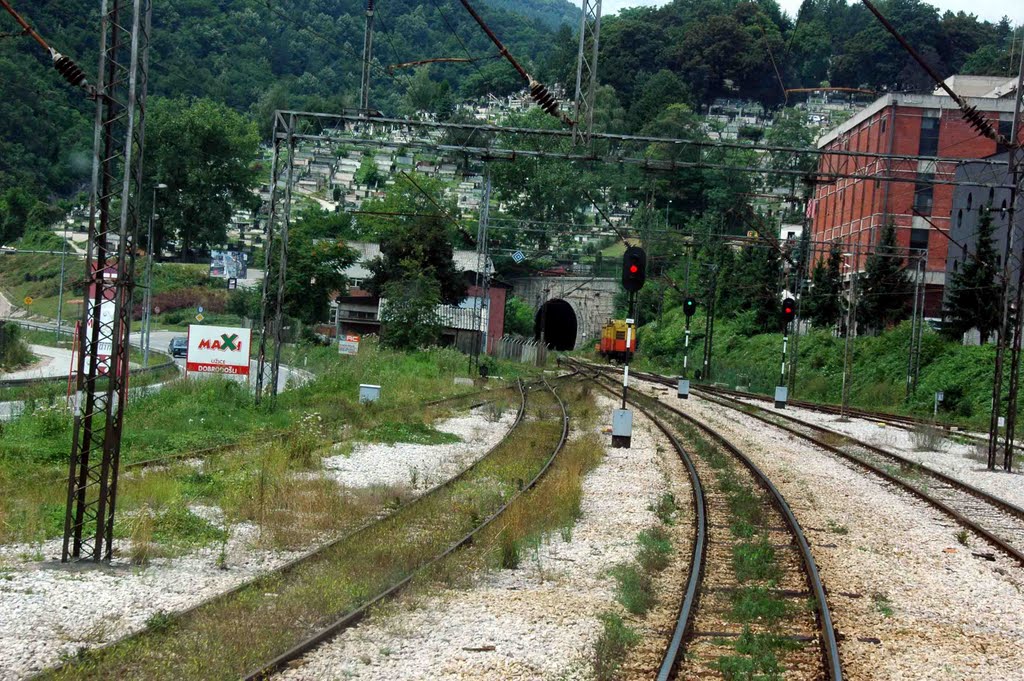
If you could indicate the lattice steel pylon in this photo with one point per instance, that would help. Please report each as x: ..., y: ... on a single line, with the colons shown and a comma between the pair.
x: 586, y: 72
x: 276, y: 237
x: 102, y: 382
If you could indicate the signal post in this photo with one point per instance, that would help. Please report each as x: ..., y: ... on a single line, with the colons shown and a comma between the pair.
x: 634, y: 273
x: 781, y: 391
x: 689, y: 307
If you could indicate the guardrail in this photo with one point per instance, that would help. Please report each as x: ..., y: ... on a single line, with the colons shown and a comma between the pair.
x: 20, y: 382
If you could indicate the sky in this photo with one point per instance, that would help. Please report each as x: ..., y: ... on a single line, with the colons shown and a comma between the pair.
x: 991, y: 10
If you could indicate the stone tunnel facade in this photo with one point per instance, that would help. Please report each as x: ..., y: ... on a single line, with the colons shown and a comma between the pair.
x: 591, y: 300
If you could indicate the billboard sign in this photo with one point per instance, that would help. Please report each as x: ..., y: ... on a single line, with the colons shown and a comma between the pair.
x: 228, y: 264
x: 348, y: 344
x: 218, y: 350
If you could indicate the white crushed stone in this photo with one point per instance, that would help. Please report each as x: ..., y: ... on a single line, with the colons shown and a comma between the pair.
x: 953, y: 615
x: 48, y: 610
x: 954, y: 459
x: 420, y: 466
x: 540, y: 619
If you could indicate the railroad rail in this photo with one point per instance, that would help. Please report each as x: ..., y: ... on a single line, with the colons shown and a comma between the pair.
x: 713, y: 573
x: 354, y: 617
x: 998, y: 521
x: 92, y: 664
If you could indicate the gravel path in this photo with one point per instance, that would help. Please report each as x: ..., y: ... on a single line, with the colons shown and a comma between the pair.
x: 535, y: 622
x: 955, y: 459
x: 48, y: 609
x: 911, y: 602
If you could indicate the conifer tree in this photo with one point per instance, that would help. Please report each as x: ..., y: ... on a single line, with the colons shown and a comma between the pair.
x: 821, y: 304
x: 972, y: 299
x: 883, y: 288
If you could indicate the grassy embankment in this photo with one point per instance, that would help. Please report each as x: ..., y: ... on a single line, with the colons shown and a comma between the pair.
x: 198, y: 414
x: 233, y: 635
x: 878, y: 375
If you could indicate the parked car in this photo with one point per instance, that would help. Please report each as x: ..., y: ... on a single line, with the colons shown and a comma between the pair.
x: 178, y: 346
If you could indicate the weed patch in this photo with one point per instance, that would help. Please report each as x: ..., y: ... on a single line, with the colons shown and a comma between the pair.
x: 655, y: 548
x: 756, y: 657
x: 634, y: 589
x: 612, y: 645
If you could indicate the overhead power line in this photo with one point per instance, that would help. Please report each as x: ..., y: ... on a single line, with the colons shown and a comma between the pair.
x: 65, y: 66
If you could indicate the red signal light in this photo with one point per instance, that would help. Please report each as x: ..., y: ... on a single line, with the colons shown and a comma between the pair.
x: 633, y: 269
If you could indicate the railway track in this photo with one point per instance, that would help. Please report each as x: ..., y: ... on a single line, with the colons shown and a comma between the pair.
x: 290, y: 611
x: 996, y: 520
x: 748, y: 546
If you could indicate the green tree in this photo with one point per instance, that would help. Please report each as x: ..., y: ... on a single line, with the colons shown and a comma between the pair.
x: 821, y: 304
x: 973, y: 296
x: 418, y: 244
x: 15, y: 206
x: 205, y: 153
x: 658, y: 92
x: 315, y: 272
x: 409, y: 317
x: 368, y: 173
x: 883, y: 287
x: 519, y: 317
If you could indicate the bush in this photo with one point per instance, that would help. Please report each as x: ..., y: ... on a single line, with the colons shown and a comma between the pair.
x: 13, y: 348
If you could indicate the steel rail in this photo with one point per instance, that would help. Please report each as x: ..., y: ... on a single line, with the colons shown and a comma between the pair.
x: 1001, y: 504
x: 826, y: 629
x: 360, y: 613
x: 348, y: 536
x: 964, y: 521
x: 684, y: 619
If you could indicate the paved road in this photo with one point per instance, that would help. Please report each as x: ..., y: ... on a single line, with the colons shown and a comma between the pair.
x: 52, y: 362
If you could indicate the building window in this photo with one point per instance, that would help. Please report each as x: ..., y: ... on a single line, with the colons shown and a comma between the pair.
x: 1005, y: 130
x: 919, y: 239
x: 883, y: 124
x: 970, y: 200
x: 923, y: 194
x: 929, y: 144
x: 959, y: 218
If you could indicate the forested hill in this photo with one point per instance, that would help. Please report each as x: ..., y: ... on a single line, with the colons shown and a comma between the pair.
x: 712, y: 44
x: 254, y: 55
x: 553, y: 13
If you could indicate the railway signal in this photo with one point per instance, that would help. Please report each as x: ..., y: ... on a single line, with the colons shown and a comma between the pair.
x: 634, y: 269
x: 689, y: 308
x: 781, y: 390
x: 788, y: 310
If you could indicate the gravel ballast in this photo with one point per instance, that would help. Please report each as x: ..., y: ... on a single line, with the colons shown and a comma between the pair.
x: 537, y: 621
x: 954, y: 458
x: 48, y: 609
x: 910, y: 601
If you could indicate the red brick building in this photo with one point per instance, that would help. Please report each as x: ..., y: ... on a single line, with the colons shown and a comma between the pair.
x: 853, y: 211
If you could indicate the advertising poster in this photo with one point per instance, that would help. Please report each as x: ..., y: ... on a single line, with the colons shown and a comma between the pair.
x: 218, y: 350
x: 228, y: 264
x: 348, y: 344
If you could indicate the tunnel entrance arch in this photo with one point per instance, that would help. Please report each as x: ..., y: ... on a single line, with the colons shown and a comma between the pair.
x: 558, y: 319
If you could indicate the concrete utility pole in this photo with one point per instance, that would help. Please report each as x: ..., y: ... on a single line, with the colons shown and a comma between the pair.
x: 851, y: 324
x: 147, y: 311
x: 586, y: 72
x: 482, y: 278
x: 364, y: 88
x: 1014, y: 161
x: 106, y: 317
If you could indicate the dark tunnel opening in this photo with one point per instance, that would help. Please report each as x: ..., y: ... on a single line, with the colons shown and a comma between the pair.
x: 559, y: 322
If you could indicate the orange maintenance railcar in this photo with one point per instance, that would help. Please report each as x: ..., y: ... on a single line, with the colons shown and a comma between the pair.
x: 613, y: 340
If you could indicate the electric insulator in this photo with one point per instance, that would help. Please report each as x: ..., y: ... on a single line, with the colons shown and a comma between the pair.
x: 69, y: 70
x: 544, y: 99
x: 979, y: 122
